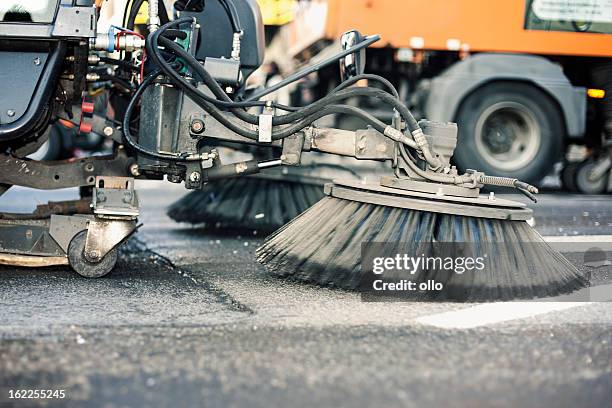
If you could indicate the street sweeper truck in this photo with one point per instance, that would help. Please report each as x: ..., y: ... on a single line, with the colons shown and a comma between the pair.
x: 187, y: 97
x: 525, y: 79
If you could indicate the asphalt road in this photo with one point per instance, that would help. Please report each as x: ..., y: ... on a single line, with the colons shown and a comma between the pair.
x: 188, y: 318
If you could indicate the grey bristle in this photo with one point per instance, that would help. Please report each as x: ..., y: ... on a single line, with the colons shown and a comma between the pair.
x: 323, y: 246
x: 247, y: 202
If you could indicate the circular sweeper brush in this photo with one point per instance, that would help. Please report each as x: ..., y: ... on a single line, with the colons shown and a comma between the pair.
x: 261, y: 202
x: 325, y: 244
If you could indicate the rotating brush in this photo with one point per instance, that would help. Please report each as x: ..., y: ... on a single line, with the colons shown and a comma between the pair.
x: 324, y: 244
x: 255, y: 202
x: 265, y: 201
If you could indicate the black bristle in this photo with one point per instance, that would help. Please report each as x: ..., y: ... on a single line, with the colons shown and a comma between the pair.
x: 323, y: 246
x: 246, y: 202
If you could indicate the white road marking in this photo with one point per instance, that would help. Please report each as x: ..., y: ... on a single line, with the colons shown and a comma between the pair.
x: 492, y: 313
x: 578, y: 238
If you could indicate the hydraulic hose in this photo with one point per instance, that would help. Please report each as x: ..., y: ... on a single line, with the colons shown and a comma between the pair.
x: 288, y: 118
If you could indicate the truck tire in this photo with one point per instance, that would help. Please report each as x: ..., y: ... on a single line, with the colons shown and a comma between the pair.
x: 509, y: 129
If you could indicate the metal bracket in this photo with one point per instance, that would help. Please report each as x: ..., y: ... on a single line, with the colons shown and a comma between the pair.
x: 61, y: 174
x: 75, y: 22
x: 438, y: 189
x: 64, y: 227
x: 115, y: 197
x: 265, y: 125
x: 481, y: 207
x: 292, y: 149
x: 104, y: 235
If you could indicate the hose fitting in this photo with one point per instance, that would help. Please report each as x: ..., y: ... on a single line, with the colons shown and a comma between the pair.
x: 423, y: 146
x: 398, y: 136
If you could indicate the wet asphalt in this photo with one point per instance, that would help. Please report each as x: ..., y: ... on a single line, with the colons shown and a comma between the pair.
x: 188, y: 318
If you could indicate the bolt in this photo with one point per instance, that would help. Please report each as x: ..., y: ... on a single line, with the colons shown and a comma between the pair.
x: 194, y: 177
x: 94, y: 254
x: 10, y: 113
x: 134, y: 170
x: 108, y: 131
x: 127, y: 197
x: 100, y: 196
x: 197, y: 126
x: 361, y: 146
x: 36, y: 61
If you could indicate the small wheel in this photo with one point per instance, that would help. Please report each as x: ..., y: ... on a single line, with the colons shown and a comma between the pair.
x: 587, y: 186
x: 78, y: 262
x: 568, y: 177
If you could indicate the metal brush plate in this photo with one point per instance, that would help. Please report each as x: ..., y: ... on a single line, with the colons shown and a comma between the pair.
x: 481, y: 207
x: 431, y: 188
x: 274, y: 175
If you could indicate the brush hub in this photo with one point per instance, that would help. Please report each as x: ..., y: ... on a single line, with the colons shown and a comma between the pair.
x: 372, y: 192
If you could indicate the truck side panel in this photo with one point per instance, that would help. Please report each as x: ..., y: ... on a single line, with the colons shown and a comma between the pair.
x: 468, y: 25
x: 449, y: 89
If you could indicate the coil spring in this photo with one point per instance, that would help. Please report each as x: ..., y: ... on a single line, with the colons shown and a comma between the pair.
x: 497, y: 181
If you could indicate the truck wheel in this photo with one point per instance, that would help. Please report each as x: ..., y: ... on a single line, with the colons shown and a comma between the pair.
x: 78, y: 262
x: 587, y: 186
x: 509, y: 129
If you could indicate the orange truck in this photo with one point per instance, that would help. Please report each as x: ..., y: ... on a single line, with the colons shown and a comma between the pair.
x: 524, y: 79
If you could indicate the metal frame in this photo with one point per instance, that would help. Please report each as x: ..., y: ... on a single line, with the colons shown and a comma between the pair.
x: 480, y: 207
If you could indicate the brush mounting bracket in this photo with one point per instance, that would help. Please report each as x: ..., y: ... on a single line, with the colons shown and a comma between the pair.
x: 480, y: 206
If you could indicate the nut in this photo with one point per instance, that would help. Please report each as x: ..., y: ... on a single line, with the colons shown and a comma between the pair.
x: 10, y: 113
x: 108, y: 131
x: 94, y: 254
x: 194, y: 177
x: 134, y: 170
x: 197, y: 126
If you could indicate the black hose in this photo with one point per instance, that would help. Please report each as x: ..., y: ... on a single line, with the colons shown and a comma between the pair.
x: 137, y: 4
x: 189, y: 5
x: 290, y: 130
x: 120, y: 63
x: 310, y: 113
x: 163, y: 13
x: 288, y: 118
x: 122, y: 82
x: 172, y: 34
x: 232, y: 14
x: 370, y: 77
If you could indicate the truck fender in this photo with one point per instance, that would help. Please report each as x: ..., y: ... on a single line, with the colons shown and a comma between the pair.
x: 449, y: 89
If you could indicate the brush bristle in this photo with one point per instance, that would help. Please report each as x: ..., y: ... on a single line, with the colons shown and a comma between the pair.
x: 246, y: 202
x: 323, y: 246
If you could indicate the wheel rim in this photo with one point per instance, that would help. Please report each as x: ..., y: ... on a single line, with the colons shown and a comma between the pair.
x: 507, y: 136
